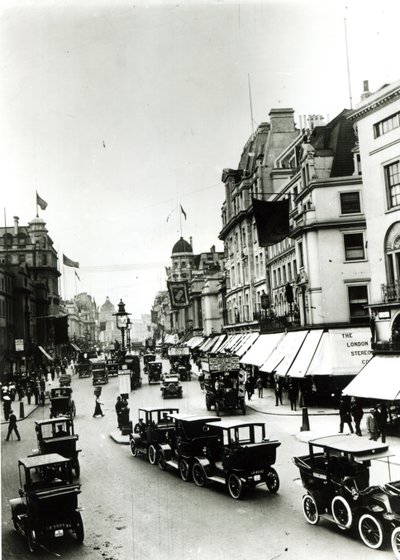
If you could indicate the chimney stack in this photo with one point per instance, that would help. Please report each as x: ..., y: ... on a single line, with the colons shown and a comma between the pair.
x: 16, y: 219
x: 191, y: 242
x: 366, y: 93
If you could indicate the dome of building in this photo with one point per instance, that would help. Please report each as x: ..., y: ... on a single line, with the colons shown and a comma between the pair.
x: 182, y: 246
x: 107, y: 306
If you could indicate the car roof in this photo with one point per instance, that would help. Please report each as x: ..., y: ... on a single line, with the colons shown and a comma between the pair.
x: 227, y: 424
x: 163, y: 409
x: 41, y: 460
x: 350, y: 444
x: 53, y: 420
x: 191, y: 418
x: 171, y: 378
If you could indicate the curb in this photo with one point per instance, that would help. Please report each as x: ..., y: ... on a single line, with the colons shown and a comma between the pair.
x: 118, y: 438
x: 26, y: 415
x: 295, y: 413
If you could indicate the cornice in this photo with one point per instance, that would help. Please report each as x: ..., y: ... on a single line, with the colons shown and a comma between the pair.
x: 375, y: 104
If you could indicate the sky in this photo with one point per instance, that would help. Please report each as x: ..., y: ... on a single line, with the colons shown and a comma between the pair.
x: 118, y: 112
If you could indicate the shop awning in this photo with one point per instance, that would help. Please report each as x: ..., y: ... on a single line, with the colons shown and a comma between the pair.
x: 306, y: 353
x: 232, y: 343
x: 194, y: 341
x: 284, y: 354
x: 342, y: 352
x: 218, y: 343
x: 226, y: 342
x: 75, y: 347
x: 246, y: 343
x: 379, y: 379
x: 208, y: 343
x: 261, y: 349
x: 45, y: 353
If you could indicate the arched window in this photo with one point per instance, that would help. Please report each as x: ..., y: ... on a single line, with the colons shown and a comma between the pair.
x: 392, y: 254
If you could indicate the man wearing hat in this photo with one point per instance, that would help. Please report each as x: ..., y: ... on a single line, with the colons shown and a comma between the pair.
x: 12, y: 426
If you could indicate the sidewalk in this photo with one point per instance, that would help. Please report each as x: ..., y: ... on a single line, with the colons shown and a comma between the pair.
x: 16, y: 407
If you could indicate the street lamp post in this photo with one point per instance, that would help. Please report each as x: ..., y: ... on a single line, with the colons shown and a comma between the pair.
x: 128, y: 334
x: 122, y: 318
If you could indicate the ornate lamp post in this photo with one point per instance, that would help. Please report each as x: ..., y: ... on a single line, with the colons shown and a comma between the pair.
x: 128, y: 334
x: 122, y: 318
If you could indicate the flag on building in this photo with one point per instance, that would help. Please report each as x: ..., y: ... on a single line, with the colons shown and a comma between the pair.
x: 77, y: 275
x: 40, y: 202
x: 183, y: 212
x: 154, y: 316
x: 178, y: 294
x: 61, y: 330
x: 272, y: 221
x: 69, y: 262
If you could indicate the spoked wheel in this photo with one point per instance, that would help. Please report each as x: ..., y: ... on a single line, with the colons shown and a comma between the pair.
x: 341, y: 512
x: 78, y: 528
x: 272, y: 481
x: 133, y: 447
x: 152, y: 455
x: 161, y: 461
x: 310, y: 509
x: 184, y: 470
x: 31, y: 536
x: 235, y: 486
x: 370, y: 530
x: 217, y: 411
x: 198, y: 475
x: 395, y: 542
x: 77, y: 468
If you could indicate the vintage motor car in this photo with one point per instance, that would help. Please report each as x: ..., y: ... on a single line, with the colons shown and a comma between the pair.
x: 112, y: 369
x: 238, y: 455
x: 99, y: 372
x: 83, y: 369
x: 224, y: 384
x: 171, y: 387
x: 47, y: 506
x: 179, y: 358
x: 64, y: 380
x: 57, y: 436
x: 336, y: 475
x: 154, y: 370
x: 61, y: 402
x: 146, y: 359
x: 152, y: 429
x: 185, y: 442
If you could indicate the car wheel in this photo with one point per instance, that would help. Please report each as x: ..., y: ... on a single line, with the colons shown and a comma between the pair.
x: 208, y: 406
x: 31, y: 536
x: 235, y: 486
x: 18, y: 510
x: 198, y: 475
x: 152, y: 454
x: 133, y: 447
x: 272, y: 481
x: 217, y: 411
x: 77, y: 468
x: 395, y: 542
x: 341, y: 512
x: 370, y: 530
x: 161, y: 461
x: 310, y: 509
x: 184, y: 470
x: 77, y: 527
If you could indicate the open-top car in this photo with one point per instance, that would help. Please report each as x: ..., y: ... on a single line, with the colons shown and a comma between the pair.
x: 47, y: 506
x: 154, y: 370
x: 83, y: 369
x: 61, y: 402
x: 185, y: 442
x: 146, y: 359
x: 153, y: 428
x: 171, y: 387
x: 238, y: 455
x: 57, y: 436
x: 336, y: 476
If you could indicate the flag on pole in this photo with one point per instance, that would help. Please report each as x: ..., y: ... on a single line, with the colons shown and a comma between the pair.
x: 272, y: 221
x: 40, y: 202
x: 183, y: 212
x: 76, y: 274
x: 69, y: 262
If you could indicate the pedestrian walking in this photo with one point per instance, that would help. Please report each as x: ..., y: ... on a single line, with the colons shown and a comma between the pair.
x: 259, y: 385
x: 118, y: 407
x: 97, y: 408
x: 372, y: 425
x: 357, y: 414
x: 292, y: 394
x: 345, y: 415
x: 277, y: 390
x: 381, y: 420
x: 12, y: 426
x: 249, y: 387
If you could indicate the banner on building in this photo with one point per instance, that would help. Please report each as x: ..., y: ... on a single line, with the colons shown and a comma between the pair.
x: 154, y: 316
x: 178, y: 294
x: 61, y: 330
x: 272, y: 221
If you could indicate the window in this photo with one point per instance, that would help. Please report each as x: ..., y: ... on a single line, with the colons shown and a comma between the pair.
x: 300, y: 248
x: 275, y: 284
x: 392, y: 173
x: 358, y: 300
x: 354, y: 246
x: 21, y: 259
x: 350, y: 203
x: 386, y: 125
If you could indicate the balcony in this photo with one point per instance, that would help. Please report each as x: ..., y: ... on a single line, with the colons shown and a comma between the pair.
x: 390, y: 292
x: 273, y: 323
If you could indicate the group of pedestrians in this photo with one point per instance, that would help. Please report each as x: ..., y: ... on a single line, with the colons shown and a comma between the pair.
x: 351, y: 411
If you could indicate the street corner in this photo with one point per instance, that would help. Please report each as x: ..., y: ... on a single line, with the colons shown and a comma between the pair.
x: 119, y: 438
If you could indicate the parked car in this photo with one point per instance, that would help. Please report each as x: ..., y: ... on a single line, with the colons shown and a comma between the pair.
x: 146, y: 359
x: 61, y: 402
x: 152, y: 429
x: 171, y: 387
x: 64, y: 380
x: 99, y: 372
x: 47, y: 505
x: 185, y: 443
x: 238, y: 455
x: 335, y: 474
x: 154, y: 370
x: 58, y: 436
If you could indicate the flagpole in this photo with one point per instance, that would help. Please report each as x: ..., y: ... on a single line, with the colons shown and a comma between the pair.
x: 76, y: 291
x: 180, y: 221
x: 37, y: 206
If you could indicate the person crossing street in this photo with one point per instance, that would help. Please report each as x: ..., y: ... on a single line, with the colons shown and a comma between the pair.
x: 12, y: 426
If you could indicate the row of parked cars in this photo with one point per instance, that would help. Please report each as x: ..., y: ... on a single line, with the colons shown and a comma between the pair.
x: 239, y: 456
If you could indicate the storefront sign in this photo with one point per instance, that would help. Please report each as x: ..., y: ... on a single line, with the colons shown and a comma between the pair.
x: 350, y: 349
x: 19, y: 344
x: 221, y: 363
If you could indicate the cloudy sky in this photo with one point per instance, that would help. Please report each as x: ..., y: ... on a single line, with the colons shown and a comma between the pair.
x: 118, y: 111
